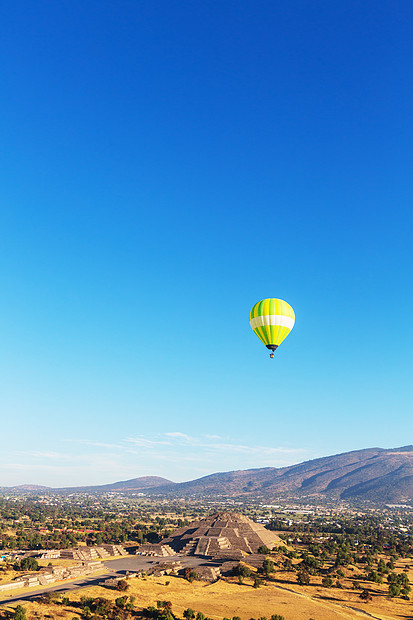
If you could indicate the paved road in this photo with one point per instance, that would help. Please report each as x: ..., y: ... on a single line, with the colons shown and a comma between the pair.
x: 141, y: 562
x: 86, y: 582
x: 115, y: 568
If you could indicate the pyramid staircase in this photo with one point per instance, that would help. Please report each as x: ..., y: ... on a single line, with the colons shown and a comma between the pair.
x: 190, y: 547
x: 86, y: 554
x: 202, y: 546
x: 114, y: 550
x: 224, y: 534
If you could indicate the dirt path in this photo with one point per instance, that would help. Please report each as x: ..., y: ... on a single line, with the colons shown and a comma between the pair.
x: 343, y: 606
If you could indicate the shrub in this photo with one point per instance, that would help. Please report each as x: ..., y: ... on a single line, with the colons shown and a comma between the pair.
x: 20, y: 613
x: 190, y: 575
x: 268, y: 567
x: 264, y: 549
x: 86, y: 601
x: 121, y: 602
x: 122, y: 585
x: 303, y: 577
x: 242, y: 570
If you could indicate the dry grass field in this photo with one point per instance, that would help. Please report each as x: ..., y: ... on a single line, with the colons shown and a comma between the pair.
x: 7, y: 575
x: 229, y: 598
x: 56, y: 562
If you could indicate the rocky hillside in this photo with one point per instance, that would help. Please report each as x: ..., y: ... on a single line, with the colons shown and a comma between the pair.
x: 375, y: 473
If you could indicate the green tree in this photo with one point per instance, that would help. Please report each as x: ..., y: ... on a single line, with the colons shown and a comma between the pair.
x: 394, y: 589
x: 288, y: 565
x: 264, y: 549
x: 29, y: 564
x: 189, y: 614
x: 268, y: 567
x: 190, y: 574
x: 242, y: 570
x: 20, y: 613
x: 375, y: 577
x: 257, y: 582
x: 303, y: 577
x: 121, y: 602
x: 327, y: 582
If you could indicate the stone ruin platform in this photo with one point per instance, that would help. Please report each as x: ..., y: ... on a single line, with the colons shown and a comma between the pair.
x: 220, y: 535
x: 224, y: 539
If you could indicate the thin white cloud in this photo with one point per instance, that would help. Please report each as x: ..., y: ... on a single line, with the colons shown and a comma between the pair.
x: 93, y: 442
x: 173, y: 454
x: 180, y: 436
x: 175, y: 439
x: 146, y: 443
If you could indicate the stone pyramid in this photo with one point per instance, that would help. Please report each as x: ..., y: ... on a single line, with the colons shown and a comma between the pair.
x: 221, y: 534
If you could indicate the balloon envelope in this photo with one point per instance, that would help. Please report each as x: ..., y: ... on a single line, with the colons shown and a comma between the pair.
x: 272, y: 320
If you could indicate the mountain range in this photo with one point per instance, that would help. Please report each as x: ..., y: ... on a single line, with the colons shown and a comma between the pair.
x: 377, y: 474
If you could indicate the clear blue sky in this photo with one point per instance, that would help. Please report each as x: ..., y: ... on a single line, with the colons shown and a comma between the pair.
x: 165, y: 165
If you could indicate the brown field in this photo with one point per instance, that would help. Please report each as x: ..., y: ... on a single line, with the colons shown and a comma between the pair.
x: 57, y: 562
x: 227, y: 599
x: 7, y: 575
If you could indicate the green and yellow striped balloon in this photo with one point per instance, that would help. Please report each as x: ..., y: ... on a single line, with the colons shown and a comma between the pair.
x: 272, y: 320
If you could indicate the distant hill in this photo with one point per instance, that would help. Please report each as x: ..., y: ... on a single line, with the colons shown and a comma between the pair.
x: 377, y: 474
x: 135, y: 484
x: 30, y: 487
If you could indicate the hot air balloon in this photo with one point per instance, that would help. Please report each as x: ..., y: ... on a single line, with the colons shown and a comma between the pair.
x: 272, y: 320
